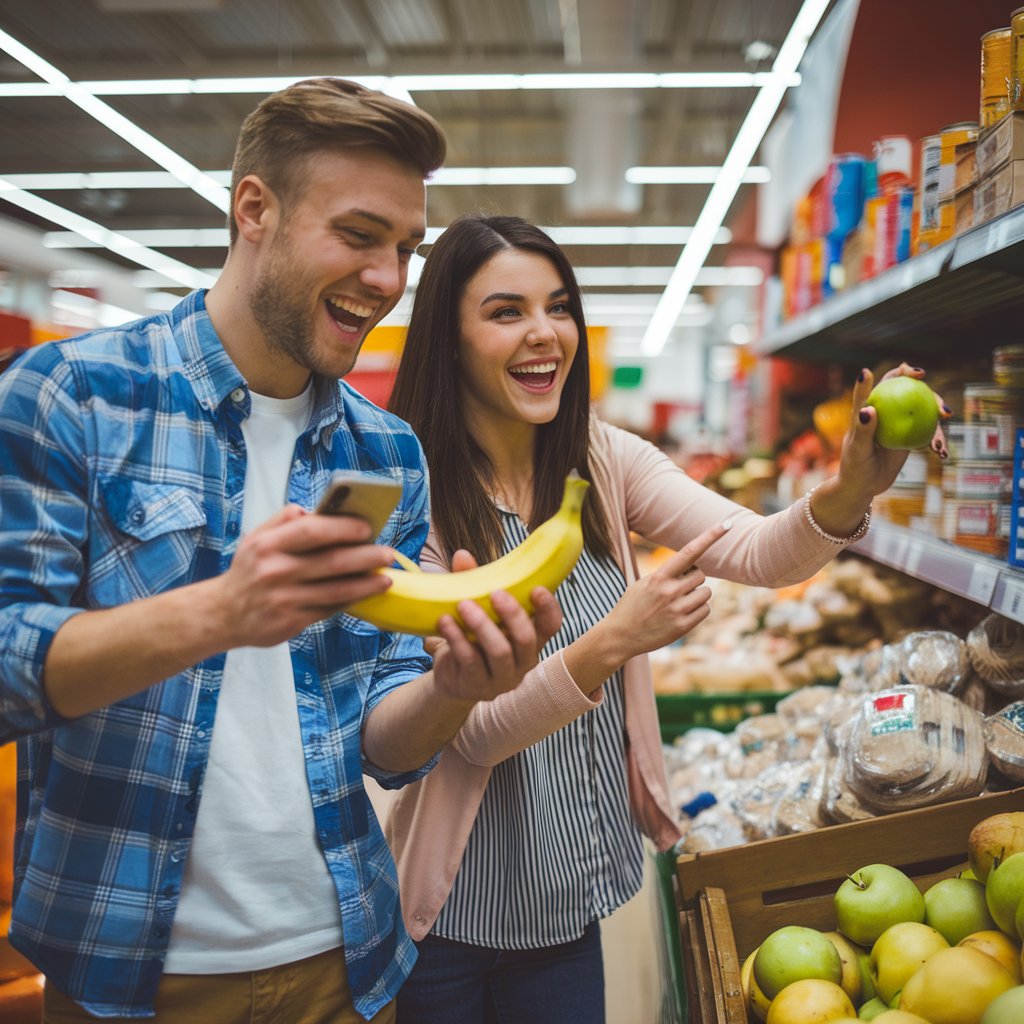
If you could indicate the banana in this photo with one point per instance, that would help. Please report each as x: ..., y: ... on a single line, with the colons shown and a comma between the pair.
x: 415, y: 601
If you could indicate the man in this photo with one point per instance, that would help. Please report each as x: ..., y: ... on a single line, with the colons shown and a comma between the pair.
x: 195, y: 710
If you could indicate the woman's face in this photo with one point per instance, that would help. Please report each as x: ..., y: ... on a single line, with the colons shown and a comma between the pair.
x: 517, y: 340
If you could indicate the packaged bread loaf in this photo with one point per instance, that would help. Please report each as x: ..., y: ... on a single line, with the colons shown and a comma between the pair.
x: 996, y: 649
x: 1004, y: 738
x: 911, y: 746
x: 935, y: 658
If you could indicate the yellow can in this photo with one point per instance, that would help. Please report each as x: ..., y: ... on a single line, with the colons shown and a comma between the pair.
x: 1017, y: 59
x: 995, y: 75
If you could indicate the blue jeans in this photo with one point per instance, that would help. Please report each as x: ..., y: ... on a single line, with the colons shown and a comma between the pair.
x: 455, y: 983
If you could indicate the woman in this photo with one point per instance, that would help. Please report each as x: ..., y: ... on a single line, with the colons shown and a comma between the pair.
x: 528, y: 831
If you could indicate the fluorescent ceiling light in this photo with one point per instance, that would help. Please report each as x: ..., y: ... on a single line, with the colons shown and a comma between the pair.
x: 217, y: 238
x: 402, y: 85
x: 178, y: 273
x: 157, y: 238
x: 503, y: 176
x: 745, y: 145
x: 147, y: 144
x: 689, y: 175
x: 77, y: 180
x: 635, y: 277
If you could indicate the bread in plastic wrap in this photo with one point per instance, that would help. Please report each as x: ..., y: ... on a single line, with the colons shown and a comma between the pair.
x: 912, y: 746
x: 759, y: 743
x: 800, y: 806
x: 996, y: 649
x: 713, y: 829
x: 839, y: 803
x: 756, y: 798
x: 1004, y: 738
x: 935, y: 658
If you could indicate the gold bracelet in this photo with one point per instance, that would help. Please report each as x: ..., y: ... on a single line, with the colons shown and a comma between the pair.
x: 861, y: 530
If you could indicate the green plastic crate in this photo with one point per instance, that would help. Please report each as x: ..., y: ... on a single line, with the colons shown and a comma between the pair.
x: 678, y: 712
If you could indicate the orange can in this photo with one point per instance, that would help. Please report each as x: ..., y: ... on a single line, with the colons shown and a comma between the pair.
x: 995, y: 75
x: 1017, y: 59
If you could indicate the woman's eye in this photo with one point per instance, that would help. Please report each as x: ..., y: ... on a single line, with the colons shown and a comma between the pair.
x: 507, y: 313
x: 560, y: 307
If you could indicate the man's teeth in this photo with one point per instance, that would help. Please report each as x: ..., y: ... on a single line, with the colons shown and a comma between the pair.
x: 536, y: 368
x: 355, y: 308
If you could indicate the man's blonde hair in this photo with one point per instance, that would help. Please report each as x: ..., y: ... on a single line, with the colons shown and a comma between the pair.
x: 321, y: 114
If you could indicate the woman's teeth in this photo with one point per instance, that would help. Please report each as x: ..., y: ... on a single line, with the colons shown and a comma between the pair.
x: 537, y: 368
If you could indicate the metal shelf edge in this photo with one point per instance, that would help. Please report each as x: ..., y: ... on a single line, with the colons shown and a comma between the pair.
x: 973, y: 575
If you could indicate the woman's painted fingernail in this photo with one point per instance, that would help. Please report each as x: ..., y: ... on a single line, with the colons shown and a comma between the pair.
x: 862, y: 376
x: 917, y: 369
x: 864, y: 416
x: 946, y: 409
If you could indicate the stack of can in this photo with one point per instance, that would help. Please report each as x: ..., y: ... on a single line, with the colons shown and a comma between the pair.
x: 977, y: 481
x: 1016, y: 85
x: 995, y: 75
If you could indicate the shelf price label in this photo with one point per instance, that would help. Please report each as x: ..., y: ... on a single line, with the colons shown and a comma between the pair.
x: 982, y: 584
x: 1012, y: 603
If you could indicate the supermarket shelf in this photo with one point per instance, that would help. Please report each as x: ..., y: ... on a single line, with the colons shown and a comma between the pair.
x: 980, y: 578
x: 968, y: 291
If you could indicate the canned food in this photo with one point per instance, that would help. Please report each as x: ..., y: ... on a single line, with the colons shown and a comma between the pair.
x: 972, y: 441
x: 991, y: 401
x: 976, y: 519
x: 1008, y: 366
x: 989, y: 480
x: 1017, y: 59
x: 950, y: 137
x: 928, y: 211
x: 995, y: 75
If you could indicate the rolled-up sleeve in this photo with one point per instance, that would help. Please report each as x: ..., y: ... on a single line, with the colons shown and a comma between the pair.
x: 43, y: 515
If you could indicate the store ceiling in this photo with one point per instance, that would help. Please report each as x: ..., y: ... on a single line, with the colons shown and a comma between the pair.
x: 599, y: 133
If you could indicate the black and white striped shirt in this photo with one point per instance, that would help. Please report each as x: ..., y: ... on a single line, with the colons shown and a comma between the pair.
x: 554, y: 847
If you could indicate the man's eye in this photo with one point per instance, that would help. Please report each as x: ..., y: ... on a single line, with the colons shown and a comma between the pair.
x: 359, y: 237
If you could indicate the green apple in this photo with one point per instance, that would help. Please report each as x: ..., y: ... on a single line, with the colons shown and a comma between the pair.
x: 873, y: 899
x: 794, y: 953
x: 908, y: 412
x: 899, y: 951
x: 1003, y: 892
x: 956, y: 907
x: 871, y: 1009
x: 868, y: 991
x: 1005, y: 1009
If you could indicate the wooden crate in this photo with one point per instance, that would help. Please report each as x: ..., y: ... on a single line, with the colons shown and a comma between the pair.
x: 732, y: 899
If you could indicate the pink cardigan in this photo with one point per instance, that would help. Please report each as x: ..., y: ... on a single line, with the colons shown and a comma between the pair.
x: 641, y: 490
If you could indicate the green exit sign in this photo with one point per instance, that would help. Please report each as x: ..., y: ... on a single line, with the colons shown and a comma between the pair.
x: 627, y: 376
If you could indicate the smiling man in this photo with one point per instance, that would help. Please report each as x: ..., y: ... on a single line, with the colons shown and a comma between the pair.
x: 194, y: 709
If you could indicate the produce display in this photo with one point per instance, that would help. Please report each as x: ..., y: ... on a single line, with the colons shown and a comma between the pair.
x: 933, y: 718
x: 948, y: 955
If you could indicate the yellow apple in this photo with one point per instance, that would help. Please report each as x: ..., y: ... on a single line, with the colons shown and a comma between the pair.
x: 1000, y: 947
x: 810, y: 1001
x: 954, y: 986
x: 900, y: 1017
x: 899, y: 951
x: 994, y: 839
x: 851, y: 982
x: 752, y: 994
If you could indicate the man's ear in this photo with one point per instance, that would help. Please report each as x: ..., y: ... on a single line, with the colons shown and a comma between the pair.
x: 255, y: 207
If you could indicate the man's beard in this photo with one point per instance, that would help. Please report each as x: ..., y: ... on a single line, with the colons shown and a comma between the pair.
x: 279, y: 306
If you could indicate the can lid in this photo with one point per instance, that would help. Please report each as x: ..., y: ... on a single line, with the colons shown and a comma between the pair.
x: 997, y: 31
x: 958, y: 126
x: 1013, y: 14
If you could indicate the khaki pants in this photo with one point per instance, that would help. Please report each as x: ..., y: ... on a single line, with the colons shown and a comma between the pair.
x: 311, y: 991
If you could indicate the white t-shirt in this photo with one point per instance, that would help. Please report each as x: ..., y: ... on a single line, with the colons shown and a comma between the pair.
x: 256, y: 891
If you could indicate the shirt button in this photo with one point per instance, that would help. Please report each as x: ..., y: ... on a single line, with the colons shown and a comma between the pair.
x: 238, y: 395
x: 138, y: 516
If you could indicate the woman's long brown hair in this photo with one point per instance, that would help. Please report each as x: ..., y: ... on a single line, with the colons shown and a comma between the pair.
x: 427, y: 395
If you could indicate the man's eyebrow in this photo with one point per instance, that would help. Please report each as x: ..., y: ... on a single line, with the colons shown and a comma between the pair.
x: 512, y: 297
x: 376, y: 218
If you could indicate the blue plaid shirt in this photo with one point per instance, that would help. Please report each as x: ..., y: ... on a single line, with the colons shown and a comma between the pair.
x: 122, y: 468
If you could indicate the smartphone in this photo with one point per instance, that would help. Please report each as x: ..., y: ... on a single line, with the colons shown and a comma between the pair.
x: 372, y: 498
